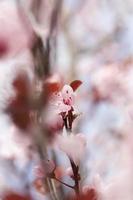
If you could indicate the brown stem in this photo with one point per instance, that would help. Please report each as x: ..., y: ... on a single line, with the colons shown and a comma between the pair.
x: 75, y: 170
x: 70, y: 119
x: 70, y: 186
x: 65, y: 123
x: 68, y: 125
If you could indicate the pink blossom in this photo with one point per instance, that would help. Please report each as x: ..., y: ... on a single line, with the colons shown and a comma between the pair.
x: 72, y: 145
x: 63, y: 100
x: 15, y: 34
x: 68, y: 95
x: 44, y: 169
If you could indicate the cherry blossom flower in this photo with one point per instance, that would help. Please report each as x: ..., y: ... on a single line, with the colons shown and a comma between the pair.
x: 45, y: 168
x: 68, y: 95
x: 64, y: 100
x: 70, y: 143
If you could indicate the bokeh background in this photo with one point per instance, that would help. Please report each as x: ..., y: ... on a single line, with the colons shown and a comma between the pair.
x: 94, y: 43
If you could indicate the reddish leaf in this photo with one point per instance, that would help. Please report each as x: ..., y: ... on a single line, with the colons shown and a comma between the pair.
x: 50, y: 88
x: 52, y: 84
x: 21, y: 85
x: 14, y: 196
x: 75, y: 84
x: 19, y: 107
x: 20, y: 116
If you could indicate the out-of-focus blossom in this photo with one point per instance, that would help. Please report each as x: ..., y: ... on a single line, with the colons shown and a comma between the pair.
x: 19, y: 106
x: 9, y: 69
x: 39, y: 171
x: 16, y: 30
x: 52, y: 121
x: 115, y: 86
x: 89, y: 194
x: 46, y: 168
x: 70, y: 144
x: 39, y: 186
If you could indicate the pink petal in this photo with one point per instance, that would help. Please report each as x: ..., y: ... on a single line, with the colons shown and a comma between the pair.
x: 68, y: 95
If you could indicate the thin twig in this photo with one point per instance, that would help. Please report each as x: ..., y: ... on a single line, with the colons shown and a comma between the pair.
x: 75, y: 168
x: 70, y: 186
x: 76, y: 176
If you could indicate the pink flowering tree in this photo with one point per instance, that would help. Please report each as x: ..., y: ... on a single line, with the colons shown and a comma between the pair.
x: 66, y: 100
